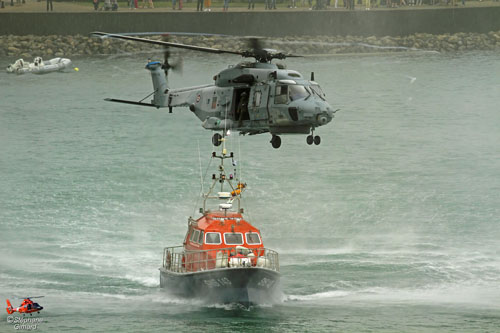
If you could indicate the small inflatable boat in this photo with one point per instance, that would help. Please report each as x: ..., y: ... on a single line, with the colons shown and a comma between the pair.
x: 39, y: 66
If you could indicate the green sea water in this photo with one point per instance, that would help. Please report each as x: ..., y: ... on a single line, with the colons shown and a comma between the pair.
x: 390, y: 225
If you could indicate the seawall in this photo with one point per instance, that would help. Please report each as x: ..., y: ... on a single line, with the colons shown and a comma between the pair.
x: 261, y: 23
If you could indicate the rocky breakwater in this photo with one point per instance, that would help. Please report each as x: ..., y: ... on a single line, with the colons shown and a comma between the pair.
x: 30, y: 46
x: 63, y: 46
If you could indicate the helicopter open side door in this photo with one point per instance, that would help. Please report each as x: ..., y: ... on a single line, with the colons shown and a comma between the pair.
x: 239, y: 110
x: 257, y: 106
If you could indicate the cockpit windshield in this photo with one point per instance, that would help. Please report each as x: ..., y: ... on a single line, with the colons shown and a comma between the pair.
x: 292, y: 92
x: 318, y: 91
x: 298, y: 92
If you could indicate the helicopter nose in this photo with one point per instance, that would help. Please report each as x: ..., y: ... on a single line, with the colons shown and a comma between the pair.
x: 322, y: 119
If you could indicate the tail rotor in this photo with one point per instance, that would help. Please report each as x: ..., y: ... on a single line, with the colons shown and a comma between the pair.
x: 176, y: 66
x: 10, y: 309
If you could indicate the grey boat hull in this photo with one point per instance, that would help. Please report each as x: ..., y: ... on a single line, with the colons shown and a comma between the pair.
x: 245, y: 285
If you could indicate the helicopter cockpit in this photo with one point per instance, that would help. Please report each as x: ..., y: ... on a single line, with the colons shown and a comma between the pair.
x: 316, y: 89
x: 288, y: 91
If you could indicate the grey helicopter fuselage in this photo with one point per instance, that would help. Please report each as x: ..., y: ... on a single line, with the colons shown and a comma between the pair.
x: 275, y: 99
x: 250, y: 97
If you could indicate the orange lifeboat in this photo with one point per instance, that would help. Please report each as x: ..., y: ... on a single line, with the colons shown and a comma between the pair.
x: 223, y: 258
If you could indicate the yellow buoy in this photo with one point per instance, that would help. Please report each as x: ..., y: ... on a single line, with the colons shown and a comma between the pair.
x: 77, y: 69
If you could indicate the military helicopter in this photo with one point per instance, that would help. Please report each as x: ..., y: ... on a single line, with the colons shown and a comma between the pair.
x: 251, y: 97
x: 27, y: 306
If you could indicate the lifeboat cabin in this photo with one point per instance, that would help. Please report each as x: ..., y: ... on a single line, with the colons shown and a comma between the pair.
x: 219, y: 239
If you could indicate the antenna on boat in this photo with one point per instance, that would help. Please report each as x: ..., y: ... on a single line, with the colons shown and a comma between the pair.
x: 225, y: 131
x: 202, y: 179
x: 199, y: 158
x: 240, y: 174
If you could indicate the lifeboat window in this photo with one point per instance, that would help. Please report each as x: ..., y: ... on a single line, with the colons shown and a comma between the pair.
x: 212, y: 238
x: 252, y: 238
x: 194, y: 236
x: 200, y: 239
x: 231, y: 238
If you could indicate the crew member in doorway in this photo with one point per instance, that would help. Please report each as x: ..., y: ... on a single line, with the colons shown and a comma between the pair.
x: 242, y: 107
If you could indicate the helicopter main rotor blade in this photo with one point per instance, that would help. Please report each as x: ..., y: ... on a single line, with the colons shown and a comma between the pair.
x: 163, y: 43
x: 170, y: 33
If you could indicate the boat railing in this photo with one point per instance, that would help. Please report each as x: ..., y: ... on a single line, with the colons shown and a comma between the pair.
x: 179, y: 260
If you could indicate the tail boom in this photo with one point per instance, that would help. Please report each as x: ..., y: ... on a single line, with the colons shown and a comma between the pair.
x: 159, y: 83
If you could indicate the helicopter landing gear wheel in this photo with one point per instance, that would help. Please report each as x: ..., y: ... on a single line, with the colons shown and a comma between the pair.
x: 317, y: 140
x: 276, y: 141
x: 309, y: 139
x: 216, y: 139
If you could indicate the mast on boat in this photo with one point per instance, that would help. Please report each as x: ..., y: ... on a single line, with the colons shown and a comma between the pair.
x: 226, y: 182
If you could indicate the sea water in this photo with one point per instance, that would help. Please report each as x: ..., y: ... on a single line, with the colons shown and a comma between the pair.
x: 391, y: 224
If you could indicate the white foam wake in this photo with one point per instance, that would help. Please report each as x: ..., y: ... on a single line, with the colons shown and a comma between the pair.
x: 317, y: 296
x: 149, y: 281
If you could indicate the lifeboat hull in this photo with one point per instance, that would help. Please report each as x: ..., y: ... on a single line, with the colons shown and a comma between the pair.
x: 246, y: 286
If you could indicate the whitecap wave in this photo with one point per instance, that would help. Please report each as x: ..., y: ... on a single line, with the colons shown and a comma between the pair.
x: 443, y: 294
x: 147, y: 281
x: 317, y: 296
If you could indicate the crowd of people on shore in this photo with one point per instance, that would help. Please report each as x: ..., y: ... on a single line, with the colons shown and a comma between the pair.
x: 206, y: 5
x: 350, y: 4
